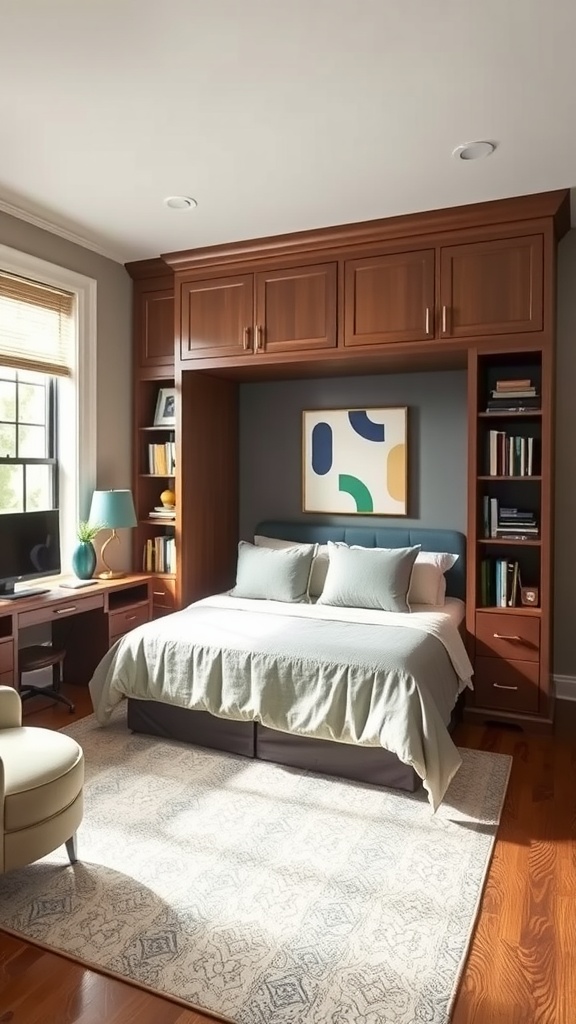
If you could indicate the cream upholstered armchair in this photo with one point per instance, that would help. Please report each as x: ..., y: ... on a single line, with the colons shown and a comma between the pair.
x: 41, y: 779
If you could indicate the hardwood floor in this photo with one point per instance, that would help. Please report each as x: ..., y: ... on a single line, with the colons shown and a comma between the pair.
x: 521, y: 967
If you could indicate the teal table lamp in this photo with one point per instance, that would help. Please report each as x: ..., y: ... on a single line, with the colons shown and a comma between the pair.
x: 111, y: 510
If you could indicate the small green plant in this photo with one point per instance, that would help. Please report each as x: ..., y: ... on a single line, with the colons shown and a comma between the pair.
x: 87, y: 531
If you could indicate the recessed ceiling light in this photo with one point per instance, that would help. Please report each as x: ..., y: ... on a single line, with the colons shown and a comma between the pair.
x: 474, y: 150
x: 180, y: 202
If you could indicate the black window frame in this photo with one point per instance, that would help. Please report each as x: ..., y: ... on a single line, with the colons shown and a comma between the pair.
x: 51, y: 459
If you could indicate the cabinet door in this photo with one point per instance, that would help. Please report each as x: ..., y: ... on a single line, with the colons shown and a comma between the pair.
x: 217, y: 317
x: 489, y: 288
x: 154, y: 327
x: 389, y: 298
x: 296, y: 308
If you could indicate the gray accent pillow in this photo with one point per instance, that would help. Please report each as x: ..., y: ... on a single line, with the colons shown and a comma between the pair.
x: 274, y: 575
x: 369, y: 577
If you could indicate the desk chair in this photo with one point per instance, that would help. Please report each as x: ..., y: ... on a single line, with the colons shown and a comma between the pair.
x: 43, y: 656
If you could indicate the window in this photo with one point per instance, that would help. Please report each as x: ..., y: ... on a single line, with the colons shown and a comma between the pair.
x: 62, y: 473
x: 28, y: 440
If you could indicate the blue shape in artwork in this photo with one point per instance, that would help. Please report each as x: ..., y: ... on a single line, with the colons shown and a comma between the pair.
x: 322, y: 448
x: 363, y: 425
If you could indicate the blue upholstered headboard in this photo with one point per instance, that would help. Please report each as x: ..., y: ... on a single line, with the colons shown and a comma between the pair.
x: 379, y: 537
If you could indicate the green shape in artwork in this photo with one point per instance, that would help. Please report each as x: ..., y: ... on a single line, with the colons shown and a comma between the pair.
x: 353, y: 486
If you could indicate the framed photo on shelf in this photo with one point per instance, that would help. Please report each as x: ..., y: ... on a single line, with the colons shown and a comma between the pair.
x: 165, y: 415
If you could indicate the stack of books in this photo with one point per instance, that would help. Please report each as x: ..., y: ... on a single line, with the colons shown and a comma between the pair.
x: 518, y: 395
x: 162, y: 459
x: 163, y: 514
x: 508, y: 523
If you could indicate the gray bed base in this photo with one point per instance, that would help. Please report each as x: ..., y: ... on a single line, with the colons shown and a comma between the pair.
x: 363, y: 764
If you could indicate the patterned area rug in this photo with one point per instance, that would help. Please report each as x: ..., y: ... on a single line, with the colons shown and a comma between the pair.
x: 264, y: 894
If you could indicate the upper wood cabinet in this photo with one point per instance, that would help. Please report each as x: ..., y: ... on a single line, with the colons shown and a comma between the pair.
x: 266, y: 312
x: 389, y: 298
x: 154, y: 322
x: 489, y: 288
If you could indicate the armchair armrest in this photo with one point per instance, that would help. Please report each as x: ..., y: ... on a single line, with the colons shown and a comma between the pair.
x: 10, y: 708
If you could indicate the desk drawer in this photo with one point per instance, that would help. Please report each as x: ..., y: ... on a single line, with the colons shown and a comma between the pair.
x: 125, y: 619
x: 7, y: 679
x: 52, y: 611
x: 506, y: 685
x: 516, y: 637
x: 6, y: 656
x: 163, y: 594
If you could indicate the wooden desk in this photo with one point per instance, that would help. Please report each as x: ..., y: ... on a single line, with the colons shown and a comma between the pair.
x: 84, y: 622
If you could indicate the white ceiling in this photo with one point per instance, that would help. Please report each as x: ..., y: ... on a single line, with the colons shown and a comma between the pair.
x: 276, y: 115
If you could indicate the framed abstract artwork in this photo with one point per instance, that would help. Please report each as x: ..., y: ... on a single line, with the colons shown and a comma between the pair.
x: 355, y: 461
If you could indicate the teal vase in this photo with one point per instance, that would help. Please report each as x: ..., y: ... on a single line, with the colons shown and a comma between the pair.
x: 84, y: 560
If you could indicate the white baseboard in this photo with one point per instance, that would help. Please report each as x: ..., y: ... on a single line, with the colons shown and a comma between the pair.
x: 565, y: 687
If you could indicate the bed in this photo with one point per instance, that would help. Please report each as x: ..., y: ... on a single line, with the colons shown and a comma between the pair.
x: 366, y: 695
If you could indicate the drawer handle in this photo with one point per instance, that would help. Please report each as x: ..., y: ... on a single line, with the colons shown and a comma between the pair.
x: 130, y: 618
x: 427, y: 322
x: 63, y: 611
x: 246, y: 339
x: 158, y: 593
x: 503, y: 636
x: 500, y: 686
x: 444, y: 319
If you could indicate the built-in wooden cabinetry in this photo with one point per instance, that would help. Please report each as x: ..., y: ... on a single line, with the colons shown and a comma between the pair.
x: 480, y: 288
x: 276, y: 310
x: 153, y: 370
x: 472, y: 286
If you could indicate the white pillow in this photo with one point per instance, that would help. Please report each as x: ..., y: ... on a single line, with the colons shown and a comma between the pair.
x: 319, y: 565
x: 428, y: 583
x: 270, y: 575
x: 361, y: 577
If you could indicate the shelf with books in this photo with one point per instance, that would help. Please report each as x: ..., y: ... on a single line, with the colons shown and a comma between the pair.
x: 510, y: 518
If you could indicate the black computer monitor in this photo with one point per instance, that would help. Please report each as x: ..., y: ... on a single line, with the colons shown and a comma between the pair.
x: 29, y: 548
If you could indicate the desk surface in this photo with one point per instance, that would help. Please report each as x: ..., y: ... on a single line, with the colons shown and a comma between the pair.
x: 55, y: 592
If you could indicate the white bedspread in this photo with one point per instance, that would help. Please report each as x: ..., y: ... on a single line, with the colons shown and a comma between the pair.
x: 351, y: 675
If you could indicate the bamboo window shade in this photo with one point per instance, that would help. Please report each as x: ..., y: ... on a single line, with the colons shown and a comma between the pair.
x: 36, y: 326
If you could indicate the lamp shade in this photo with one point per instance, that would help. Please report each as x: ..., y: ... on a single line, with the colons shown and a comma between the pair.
x: 112, y: 509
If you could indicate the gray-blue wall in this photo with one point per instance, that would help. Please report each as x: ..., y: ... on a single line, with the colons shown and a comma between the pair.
x: 271, y: 444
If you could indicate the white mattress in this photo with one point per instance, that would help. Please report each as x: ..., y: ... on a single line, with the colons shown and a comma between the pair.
x: 454, y: 609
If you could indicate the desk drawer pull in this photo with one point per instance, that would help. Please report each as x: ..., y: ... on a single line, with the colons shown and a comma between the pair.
x: 500, y: 686
x: 63, y: 611
x: 503, y: 636
x: 159, y: 593
x: 130, y: 618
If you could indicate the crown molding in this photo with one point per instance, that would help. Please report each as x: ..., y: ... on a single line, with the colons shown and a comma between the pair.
x: 56, y: 229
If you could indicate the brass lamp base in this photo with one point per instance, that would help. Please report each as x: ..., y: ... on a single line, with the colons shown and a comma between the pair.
x: 109, y: 574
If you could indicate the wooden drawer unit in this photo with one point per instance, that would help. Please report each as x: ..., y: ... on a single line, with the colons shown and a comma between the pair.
x: 6, y: 656
x: 163, y: 595
x: 6, y: 679
x: 516, y: 637
x: 125, y: 619
x: 506, y: 685
x: 52, y: 611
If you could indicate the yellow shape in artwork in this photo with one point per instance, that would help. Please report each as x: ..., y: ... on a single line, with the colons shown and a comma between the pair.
x: 396, y: 472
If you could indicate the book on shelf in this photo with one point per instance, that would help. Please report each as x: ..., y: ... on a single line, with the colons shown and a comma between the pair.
x: 509, y: 384
x: 162, y: 459
x: 510, y: 455
x: 159, y: 555
x: 513, y: 403
x: 501, y: 522
x: 499, y: 583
